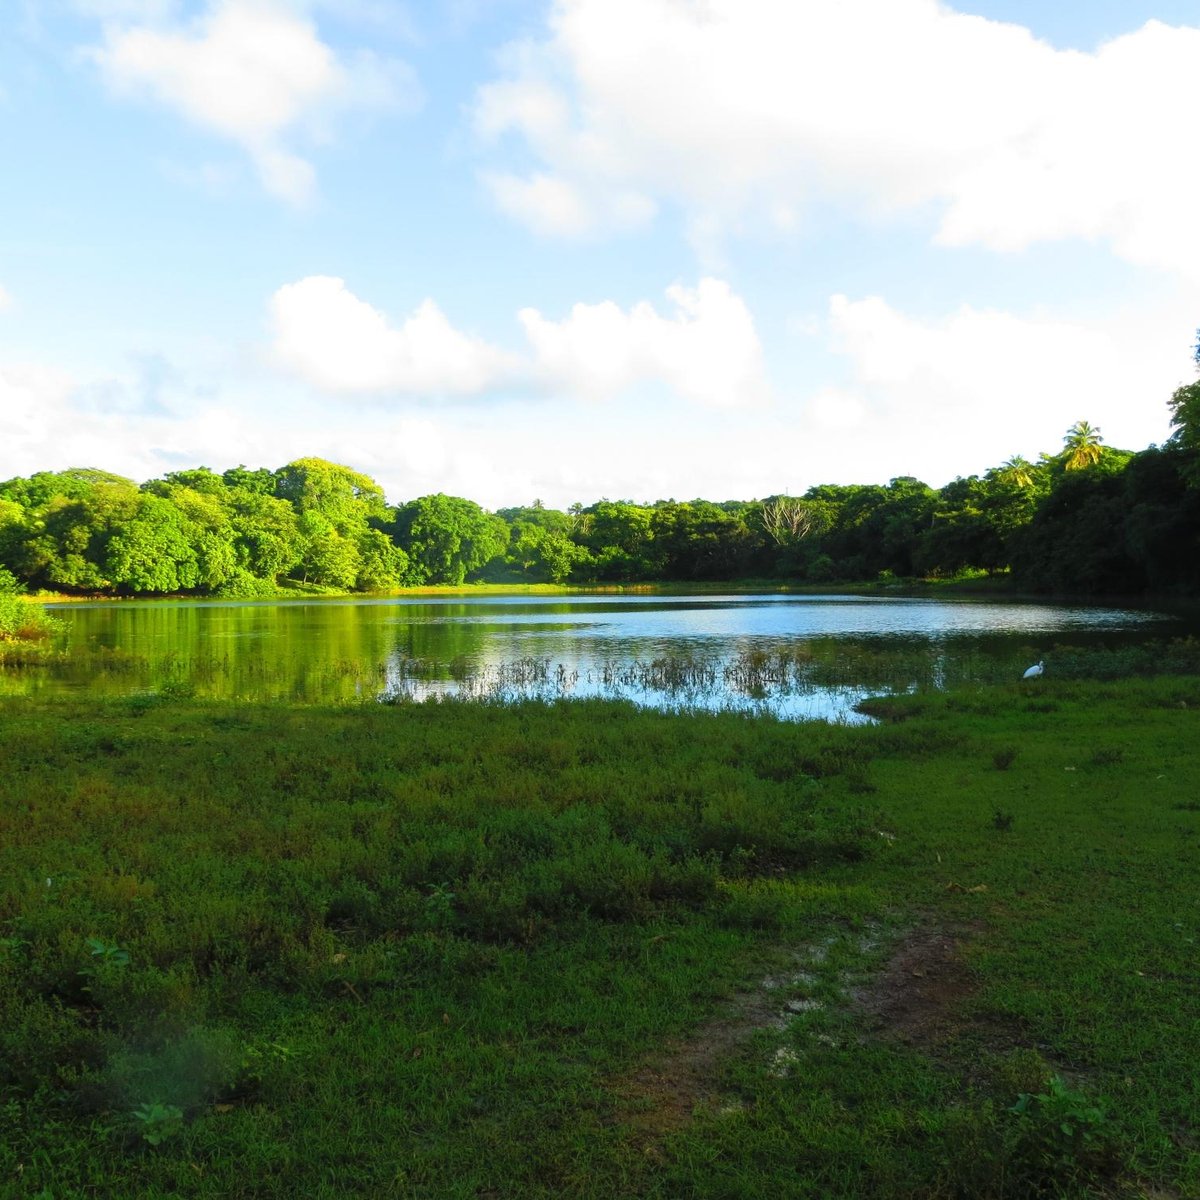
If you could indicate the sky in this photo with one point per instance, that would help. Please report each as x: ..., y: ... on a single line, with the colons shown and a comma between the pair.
x: 519, y: 250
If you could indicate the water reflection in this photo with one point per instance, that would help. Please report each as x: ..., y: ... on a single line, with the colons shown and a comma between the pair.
x: 796, y: 656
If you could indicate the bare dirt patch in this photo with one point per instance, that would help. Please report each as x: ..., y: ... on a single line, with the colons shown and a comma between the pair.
x: 683, y: 1078
x: 918, y: 995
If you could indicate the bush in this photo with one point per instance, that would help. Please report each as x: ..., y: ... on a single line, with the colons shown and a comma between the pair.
x: 23, y: 620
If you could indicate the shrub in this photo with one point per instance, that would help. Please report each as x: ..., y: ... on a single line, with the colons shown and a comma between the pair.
x: 1061, y: 1137
x: 24, y: 620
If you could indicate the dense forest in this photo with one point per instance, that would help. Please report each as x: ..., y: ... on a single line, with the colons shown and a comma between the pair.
x: 1088, y: 519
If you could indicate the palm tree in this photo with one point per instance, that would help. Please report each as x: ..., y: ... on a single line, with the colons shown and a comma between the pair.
x: 1082, y: 447
x: 1016, y: 472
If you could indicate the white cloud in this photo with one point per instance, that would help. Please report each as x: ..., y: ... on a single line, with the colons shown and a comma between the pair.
x: 747, y: 109
x: 962, y: 392
x: 545, y: 203
x: 5, y: 299
x: 50, y: 420
x: 706, y: 351
x: 255, y: 72
x: 927, y: 396
x: 339, y: 343
x: 31, y: 402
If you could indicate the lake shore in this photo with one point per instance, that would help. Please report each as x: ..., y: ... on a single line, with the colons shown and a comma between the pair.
x: 991, y: 585
x: 586, y: 950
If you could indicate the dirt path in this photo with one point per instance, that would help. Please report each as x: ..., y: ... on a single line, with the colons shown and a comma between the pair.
x: 914, y: 996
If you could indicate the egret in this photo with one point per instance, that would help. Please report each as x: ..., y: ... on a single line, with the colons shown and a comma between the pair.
x: 1034, y: 671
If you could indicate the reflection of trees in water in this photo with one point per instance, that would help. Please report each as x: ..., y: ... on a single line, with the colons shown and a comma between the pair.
x: 324, y: 651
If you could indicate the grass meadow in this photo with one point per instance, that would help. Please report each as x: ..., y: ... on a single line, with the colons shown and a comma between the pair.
x: 578, y: 949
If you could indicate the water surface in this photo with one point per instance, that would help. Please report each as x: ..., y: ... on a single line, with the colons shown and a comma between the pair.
x: 795, y: 655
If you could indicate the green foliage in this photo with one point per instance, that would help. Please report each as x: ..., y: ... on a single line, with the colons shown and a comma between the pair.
x: 447, y: 538
x: 346, y: 499
x: 1082, y: 446
x: 151, y: 551
x: 1062, y: 1137
x: 158, y: 1122
x: 24, y: 621
x: 107, y: 955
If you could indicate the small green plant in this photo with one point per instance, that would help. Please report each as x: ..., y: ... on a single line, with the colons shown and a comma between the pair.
x: 1002, y: 820
x: 259, y: 1055
x: 1062, y: 1134
x: 259, y: 1060
x: 439, y: 907
x: 1003, y: 758
x: 158, y: 1122
x: 113, y: 955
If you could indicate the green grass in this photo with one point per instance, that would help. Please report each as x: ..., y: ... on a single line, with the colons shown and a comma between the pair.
x: 423, y: 950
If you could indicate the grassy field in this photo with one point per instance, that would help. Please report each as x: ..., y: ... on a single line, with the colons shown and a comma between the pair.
x: 581, y: 950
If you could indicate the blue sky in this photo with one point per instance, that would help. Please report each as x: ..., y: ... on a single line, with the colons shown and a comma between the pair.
x: 628, y: 248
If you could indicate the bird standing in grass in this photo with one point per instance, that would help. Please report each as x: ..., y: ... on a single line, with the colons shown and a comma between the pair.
x: 1034, y: 671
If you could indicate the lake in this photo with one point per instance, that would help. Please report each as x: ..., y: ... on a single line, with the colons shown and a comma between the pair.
x: 799, y: 656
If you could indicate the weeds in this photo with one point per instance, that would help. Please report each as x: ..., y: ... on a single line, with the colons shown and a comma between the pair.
x: 1062, y: 1137
x: 107, y: 955
x: 157, y: 1122
x: 1004, y: 758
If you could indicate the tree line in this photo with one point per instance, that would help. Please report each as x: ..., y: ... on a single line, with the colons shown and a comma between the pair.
x: 1086, y: 519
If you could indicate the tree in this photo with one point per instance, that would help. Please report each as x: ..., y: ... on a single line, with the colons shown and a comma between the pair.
x: 1016, y: 472
x: 1185, y: 420
x: 202, y: 499
x: 262, y: 480
x: 620, y: 535
x: 1185, y: 416
x: 544, y: 554
x: 1082, y: 447
x: 381, y: 563
x: 344, y: 497
x: 74, y: 517
x: 150, y: 551
x: 267, y: 541
x: 789, y: 520
x: 447, y: 538
x: 328, y: 558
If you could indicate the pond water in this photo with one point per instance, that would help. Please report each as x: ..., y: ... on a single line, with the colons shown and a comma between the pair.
x: 798, y: 656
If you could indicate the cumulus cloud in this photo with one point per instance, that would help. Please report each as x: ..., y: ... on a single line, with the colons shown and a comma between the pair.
x: 255, y: 72
x: 32, y: 398
x: 51, y: 419
x: 706, y: 350
x: 748, y: 109
x: 918, y: 394
x: 339, y: 343
x: 969, y: 388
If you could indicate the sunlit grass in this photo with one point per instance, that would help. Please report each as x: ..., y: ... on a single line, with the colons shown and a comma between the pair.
x: 253, y: 950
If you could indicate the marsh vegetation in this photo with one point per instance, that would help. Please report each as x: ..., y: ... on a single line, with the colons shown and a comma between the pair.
x: 445, y: 949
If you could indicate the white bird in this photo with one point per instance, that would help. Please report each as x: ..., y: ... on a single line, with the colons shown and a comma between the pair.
x: 1034, y: 671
